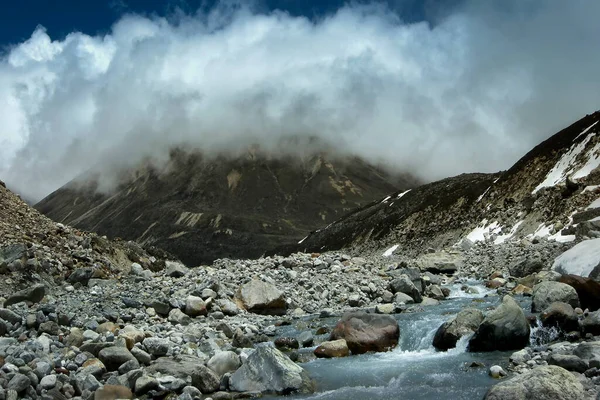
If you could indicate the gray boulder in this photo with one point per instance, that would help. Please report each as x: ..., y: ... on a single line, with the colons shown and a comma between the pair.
x: 113, y: 357
x: 403, y: 284
x: 157, y: 346
x: 569, y: 362
x: 268, y: 370
x: 548, y: 292
x: 525, y: 267
x: 464, y: 323
x: 587, y: 350
x: 591, y: 323
x: 205, y: 379
x: 542, y: 383
x: 561, y: 315
x: 504, y: 328
x: 262, y: 298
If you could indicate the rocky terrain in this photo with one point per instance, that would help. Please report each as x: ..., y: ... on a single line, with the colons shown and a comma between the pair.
x: 201, y: 208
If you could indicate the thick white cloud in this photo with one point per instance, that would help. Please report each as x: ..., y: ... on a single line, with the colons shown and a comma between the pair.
x: 471, y: 93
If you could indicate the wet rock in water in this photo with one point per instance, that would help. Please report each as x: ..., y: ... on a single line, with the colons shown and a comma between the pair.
x: 588, y: 290
x: 367, y: 332
x: 33, y: 294
x: 464, y: 323
x: 541, y: 383
x: 268, y: 370
x: 525, y: 266
x: 435, y: 292
x: 286, y: 343
x: 262, y: 298
x: 497, y: 372
x: 569, y: 362
x: 306, y: 339
x: 561, y: 315
x: 504, y: 328
x: 333, y: 348
x: 549, y: 292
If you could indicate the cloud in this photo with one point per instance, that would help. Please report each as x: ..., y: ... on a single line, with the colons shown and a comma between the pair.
x: 472, y: 92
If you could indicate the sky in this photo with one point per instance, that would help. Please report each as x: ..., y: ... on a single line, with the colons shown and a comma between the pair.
x: 431, y: 87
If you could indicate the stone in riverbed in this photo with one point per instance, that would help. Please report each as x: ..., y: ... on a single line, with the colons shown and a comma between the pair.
x: 569, y: 362
x: 333, y: 348
x: 541, y: 383
x: 268, y: 370
x: 367, y: 332
x: 195, y: 306
x: 504, y: 328
x: 403, y: 284
x: 548, y: 292
x: 262, y: 298
x: 18, y: 383
x: 591, y: 323
x: 588, y: 290
x: 113, y: 357
x: 223, y: 362
x: 561, y: 315
x: 33, y: 294
x: 113, y: 392
x: 464, y: 323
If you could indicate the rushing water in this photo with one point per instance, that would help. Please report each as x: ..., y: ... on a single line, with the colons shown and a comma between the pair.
x: 414, y: 370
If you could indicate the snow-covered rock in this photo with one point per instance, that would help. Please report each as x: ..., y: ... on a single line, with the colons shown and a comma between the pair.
x: 579, y: 260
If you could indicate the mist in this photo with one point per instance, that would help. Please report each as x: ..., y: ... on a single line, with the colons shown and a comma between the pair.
x: 473, y: 90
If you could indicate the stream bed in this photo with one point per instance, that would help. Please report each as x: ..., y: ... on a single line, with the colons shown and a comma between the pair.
x: 414, y: 369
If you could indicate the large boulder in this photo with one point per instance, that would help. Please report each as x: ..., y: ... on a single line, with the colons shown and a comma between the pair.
x: 591, y: 323
x: 262, y: 298
x: 464, y: 323
x: 403, y: 284
x: 267, y: 370
x: 542, y: 383
x: 588, y: 290
x: 504, y: 328
x: 561, y: 315
x: 367, y: 332
x: 587, y: 350
x: 548, y: 292
x: 441, y: 263
x: 580, y: 259
x: 525, y: 267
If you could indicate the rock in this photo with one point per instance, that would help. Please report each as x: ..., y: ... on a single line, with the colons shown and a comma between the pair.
x: 18, y: 383
x: 113, y: 357
x: 175, y: 269
x: 161, y: 307
x: 333, y: 348
x: 441, y: 263
x: 113, y: 392
x: 464, y: 323
x: 435, y: 292
x: 223, y: 362
x: 228, y: 307
x: 525, y: 267
x: 385, y: 308
x: 84, y: 381
x: 520, y: 357
x: 548, y: 292
x: 157, y: 346
x: 176, y: 316
x: 269, y: 370
x: 401, y: 298
x: 48, y: 382
x: 591, y: 323
x: 33, y: 294
x: 403, y: 284
x: 144, y: 384
x: 588, y: 290
x: 541, y: 383
x: 286, y: 343
x: 141, y: 356
x: 561, y: 315
x: 588, y: 350
x: 354, y: 300
x: 428, y: 301
x: 497, y: 372
x: 132, y: 335
x: 10, y: 316
x: 495, y: 283
x: 49, y: 327
x: 568, y: 362
x: 205, y: 379
x: 306, y: 339
x: 522, y: 290
x: 367, y: 332
x: 504, y: 328
x: 195, y: 306
x: 262, y: 298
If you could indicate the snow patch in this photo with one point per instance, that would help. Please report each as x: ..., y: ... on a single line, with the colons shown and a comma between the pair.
x: 403, y: 193
x: 482, y: 231
x: 592, y: 163
x: 564, y: 166
x: 579, y: 260
x: 503, y: 238
x: 386, y: 199
x: 483, y: 194
x: 586, y: 130
x: 595, y: 204
x: 590, y: 188
x: 300, y: 242
x: 390, y: 251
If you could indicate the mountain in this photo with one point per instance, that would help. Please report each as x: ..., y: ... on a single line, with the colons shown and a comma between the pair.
x: 203, y: 208
x: 552, y: 192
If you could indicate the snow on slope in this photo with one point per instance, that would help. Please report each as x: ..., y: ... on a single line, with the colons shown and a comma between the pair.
x: 580, y: 259
x: 390, y: 251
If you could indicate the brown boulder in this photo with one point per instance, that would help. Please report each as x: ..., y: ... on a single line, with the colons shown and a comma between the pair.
x: 587, y: 289
x: 367, y: 332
